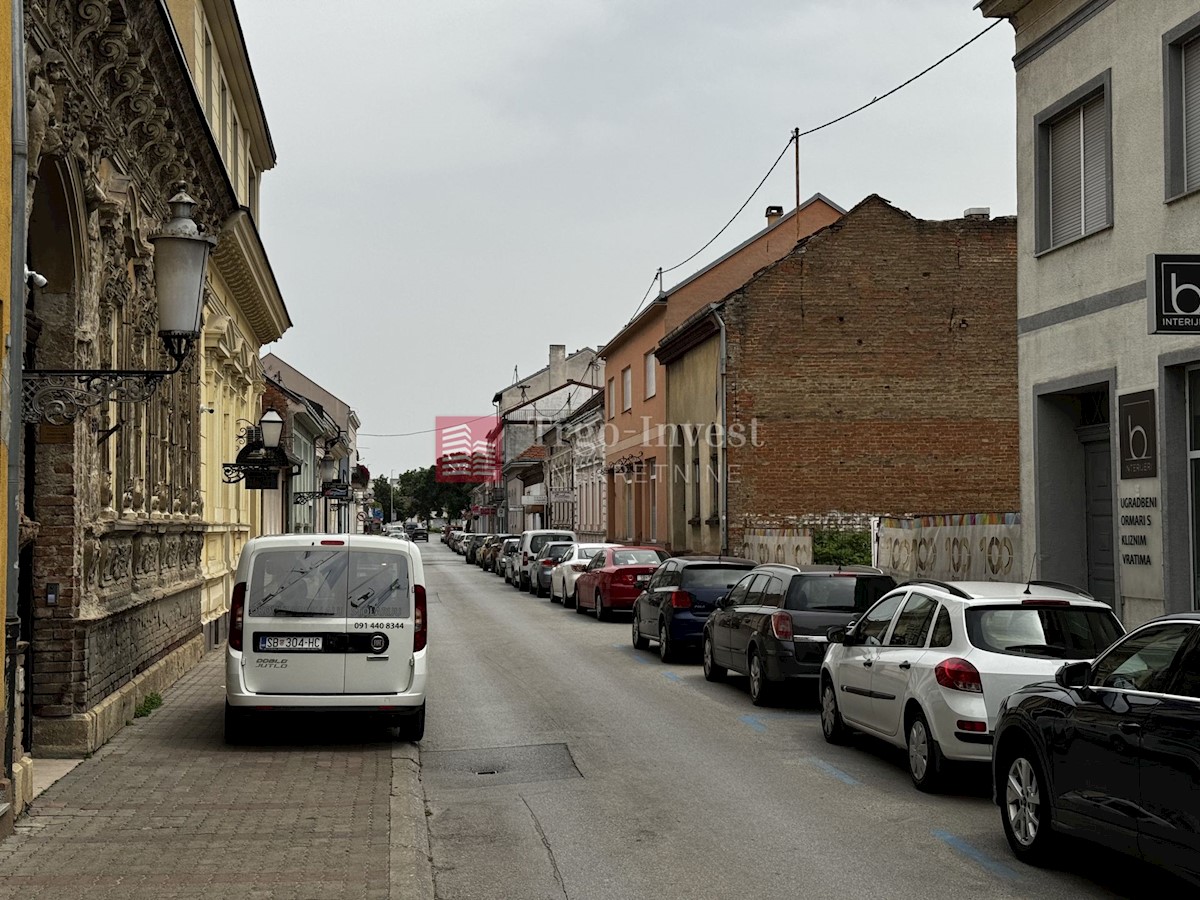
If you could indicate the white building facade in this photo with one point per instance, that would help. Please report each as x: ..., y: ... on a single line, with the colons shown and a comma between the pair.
x: 1108, y: 193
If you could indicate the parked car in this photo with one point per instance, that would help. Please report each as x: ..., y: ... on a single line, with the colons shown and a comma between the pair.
x: 325, y: 623
x: 1109, y: 751
x: 678, y: 600
x: 928, y: 666
x: 456, y: 539
x: 531, y: 543
x: 772, y: 626
x: 471, y: 547
x: 505, y: 556
x: 614, y: 577
x: 490, y: 551
x: 563, y: 575
x: 543, y: 564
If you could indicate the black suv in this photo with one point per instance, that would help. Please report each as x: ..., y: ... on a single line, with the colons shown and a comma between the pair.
x: 772, y: 624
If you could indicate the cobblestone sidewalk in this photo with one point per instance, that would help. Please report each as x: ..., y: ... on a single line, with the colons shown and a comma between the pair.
x: 165, y: 809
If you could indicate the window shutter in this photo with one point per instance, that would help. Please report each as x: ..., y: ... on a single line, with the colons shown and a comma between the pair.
x: 1066, y: 212
x: 1095, y: 165
x: 1191, y: 115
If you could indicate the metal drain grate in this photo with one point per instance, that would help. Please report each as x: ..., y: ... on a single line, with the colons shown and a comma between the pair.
x: 497, y: 765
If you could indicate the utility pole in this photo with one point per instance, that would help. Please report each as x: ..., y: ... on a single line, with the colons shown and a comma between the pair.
x: 796, y: 141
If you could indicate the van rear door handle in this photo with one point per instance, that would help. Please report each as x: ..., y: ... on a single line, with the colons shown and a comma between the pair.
x: 377, y: 659
x: 906, y: 665
x: 867, y: 663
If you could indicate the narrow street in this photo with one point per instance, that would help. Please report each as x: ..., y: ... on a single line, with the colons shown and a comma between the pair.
x: 558, y: 762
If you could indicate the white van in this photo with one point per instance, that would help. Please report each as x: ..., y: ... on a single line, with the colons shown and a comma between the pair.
x: 531, y: 543
x: 327, y: 623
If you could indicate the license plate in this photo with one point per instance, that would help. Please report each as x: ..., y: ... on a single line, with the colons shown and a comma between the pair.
x: 289, y: 642
x: 642, y: 579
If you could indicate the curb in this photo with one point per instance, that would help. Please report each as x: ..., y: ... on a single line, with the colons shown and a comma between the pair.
x: 411, y: 869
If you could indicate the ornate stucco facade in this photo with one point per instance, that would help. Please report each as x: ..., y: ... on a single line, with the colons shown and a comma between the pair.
x: 119, y: 512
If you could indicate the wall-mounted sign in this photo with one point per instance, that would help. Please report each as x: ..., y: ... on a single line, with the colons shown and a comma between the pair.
x: 335, y: 490
x: 262, y: 481
x: 1138, y: 438
x: 1173, y: 293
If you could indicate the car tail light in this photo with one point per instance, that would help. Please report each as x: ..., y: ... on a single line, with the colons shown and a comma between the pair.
x: 420, y: 627
x: 681, y: 600
x: 627, y: 578
x: 547, y: 563
x: 968, y: 725
x: 1045, y: 602
x: 781, y: 625
x: 332, y: 543
x: 958, y: 675
x: 237, y: 615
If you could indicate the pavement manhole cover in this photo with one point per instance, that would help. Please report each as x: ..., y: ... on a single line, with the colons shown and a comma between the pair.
x: 497, y: 765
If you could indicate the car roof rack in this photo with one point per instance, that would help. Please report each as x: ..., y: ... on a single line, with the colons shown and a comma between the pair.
x: 1060, y: 585
x: 948, y: 588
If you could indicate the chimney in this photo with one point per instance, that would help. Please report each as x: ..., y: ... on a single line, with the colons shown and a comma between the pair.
x: 558, y: 365
x: 978, y: 212
x: 774, y: 214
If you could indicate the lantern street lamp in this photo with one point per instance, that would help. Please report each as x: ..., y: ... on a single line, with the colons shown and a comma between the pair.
x: 271, y: 427
x: 181, y: 253
x: 261, y: 458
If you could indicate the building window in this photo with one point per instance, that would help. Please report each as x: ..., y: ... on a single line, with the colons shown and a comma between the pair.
x: 628, y: 507
x: 1073, y: 175
x: 627, y: 389
x: 208, y: 74
x: 714, y: 480
x: 612, y: 399
x: 695, y: 476
x: 1181, y: 108
x: 651, y: 381
x: 223, y: 123
x: 235, y: 174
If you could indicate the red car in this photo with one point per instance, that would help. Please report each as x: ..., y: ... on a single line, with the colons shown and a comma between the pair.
x: 615, y: 577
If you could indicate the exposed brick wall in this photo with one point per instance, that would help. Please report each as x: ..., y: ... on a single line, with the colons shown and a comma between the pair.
x: 878, y: 366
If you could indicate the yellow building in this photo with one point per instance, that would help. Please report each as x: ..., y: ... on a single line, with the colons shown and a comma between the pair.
x: 245, y: 310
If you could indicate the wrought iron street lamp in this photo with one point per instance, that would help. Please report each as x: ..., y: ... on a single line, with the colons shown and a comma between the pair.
x: 181, y: 252
x: 261, y: 459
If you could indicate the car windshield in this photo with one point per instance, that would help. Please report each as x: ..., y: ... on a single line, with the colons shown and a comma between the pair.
x: 836, y: 592
x: 1049, y: 632
x: 711, y: 576
x: 637, y: 557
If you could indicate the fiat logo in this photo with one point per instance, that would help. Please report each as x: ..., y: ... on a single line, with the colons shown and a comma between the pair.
x: 378, y: 643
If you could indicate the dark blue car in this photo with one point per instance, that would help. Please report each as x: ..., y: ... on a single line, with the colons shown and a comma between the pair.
x: 679, y: 598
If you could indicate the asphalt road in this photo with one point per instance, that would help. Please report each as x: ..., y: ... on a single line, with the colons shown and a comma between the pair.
x: 560, y: 762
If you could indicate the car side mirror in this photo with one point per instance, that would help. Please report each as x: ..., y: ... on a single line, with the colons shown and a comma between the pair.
x: 1074, y: 676
x: 722, y: 600
x: 836, y: 634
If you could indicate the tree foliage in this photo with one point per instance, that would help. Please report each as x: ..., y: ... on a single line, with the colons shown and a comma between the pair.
x: 841, y: 548
x: 418, y: 494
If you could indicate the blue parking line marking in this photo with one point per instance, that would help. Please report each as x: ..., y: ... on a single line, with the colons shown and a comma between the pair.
x: 671, y: 676
x: 754, y: 723
x: 975, y: 854
x: 837, y: 773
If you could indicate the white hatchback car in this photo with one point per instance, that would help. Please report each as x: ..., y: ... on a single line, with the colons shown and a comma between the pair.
x: 563, y: 575
x: 928, y: 665
x: 327, y: 623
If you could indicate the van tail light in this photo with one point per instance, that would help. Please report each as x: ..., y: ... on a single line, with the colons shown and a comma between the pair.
x: 958, y: 675
x: 781, y: 625
x: 681, y: 600
x: 524, y: 558
x: 237, y: 615
x: 420, y: 625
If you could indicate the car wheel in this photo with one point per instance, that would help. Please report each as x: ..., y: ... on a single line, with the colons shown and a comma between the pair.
x: 639, y: 640
x: 537, y: 589
x: 924, y: 755
x: 1025, y: 808
x: 761, y: 690
x: 237, y: 725
x: 666, y: 652
x: 832, y: 725
x: 600, y: 614
x: 575, y: 602
x: 553, y: 599
x: 571, y: 602
x: 412, y: 727
x: 712, y: 672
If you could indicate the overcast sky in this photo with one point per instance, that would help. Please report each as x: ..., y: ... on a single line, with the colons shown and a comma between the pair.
x: 461, y: 183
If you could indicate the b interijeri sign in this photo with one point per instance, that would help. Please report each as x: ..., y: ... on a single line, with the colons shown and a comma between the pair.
x: 1173, y: 293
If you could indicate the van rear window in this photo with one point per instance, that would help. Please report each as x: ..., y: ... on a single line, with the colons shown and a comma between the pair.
x: 538, y: 541
x: 303, y: 582
x: 322, y: 583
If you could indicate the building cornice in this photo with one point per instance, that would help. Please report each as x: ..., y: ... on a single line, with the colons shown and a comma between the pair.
x: 242, y: 261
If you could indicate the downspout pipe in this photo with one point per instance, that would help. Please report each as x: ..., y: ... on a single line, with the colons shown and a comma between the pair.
x: 715, y: 308
x: 14, y: 354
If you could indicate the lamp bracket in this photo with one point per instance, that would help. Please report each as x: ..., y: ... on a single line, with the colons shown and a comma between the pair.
x: 60, y: 396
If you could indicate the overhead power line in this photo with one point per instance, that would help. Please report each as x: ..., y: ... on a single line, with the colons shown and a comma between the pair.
x: 797, y: 135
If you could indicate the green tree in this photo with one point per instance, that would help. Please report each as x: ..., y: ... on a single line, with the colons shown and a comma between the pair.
x: 841, y: 548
